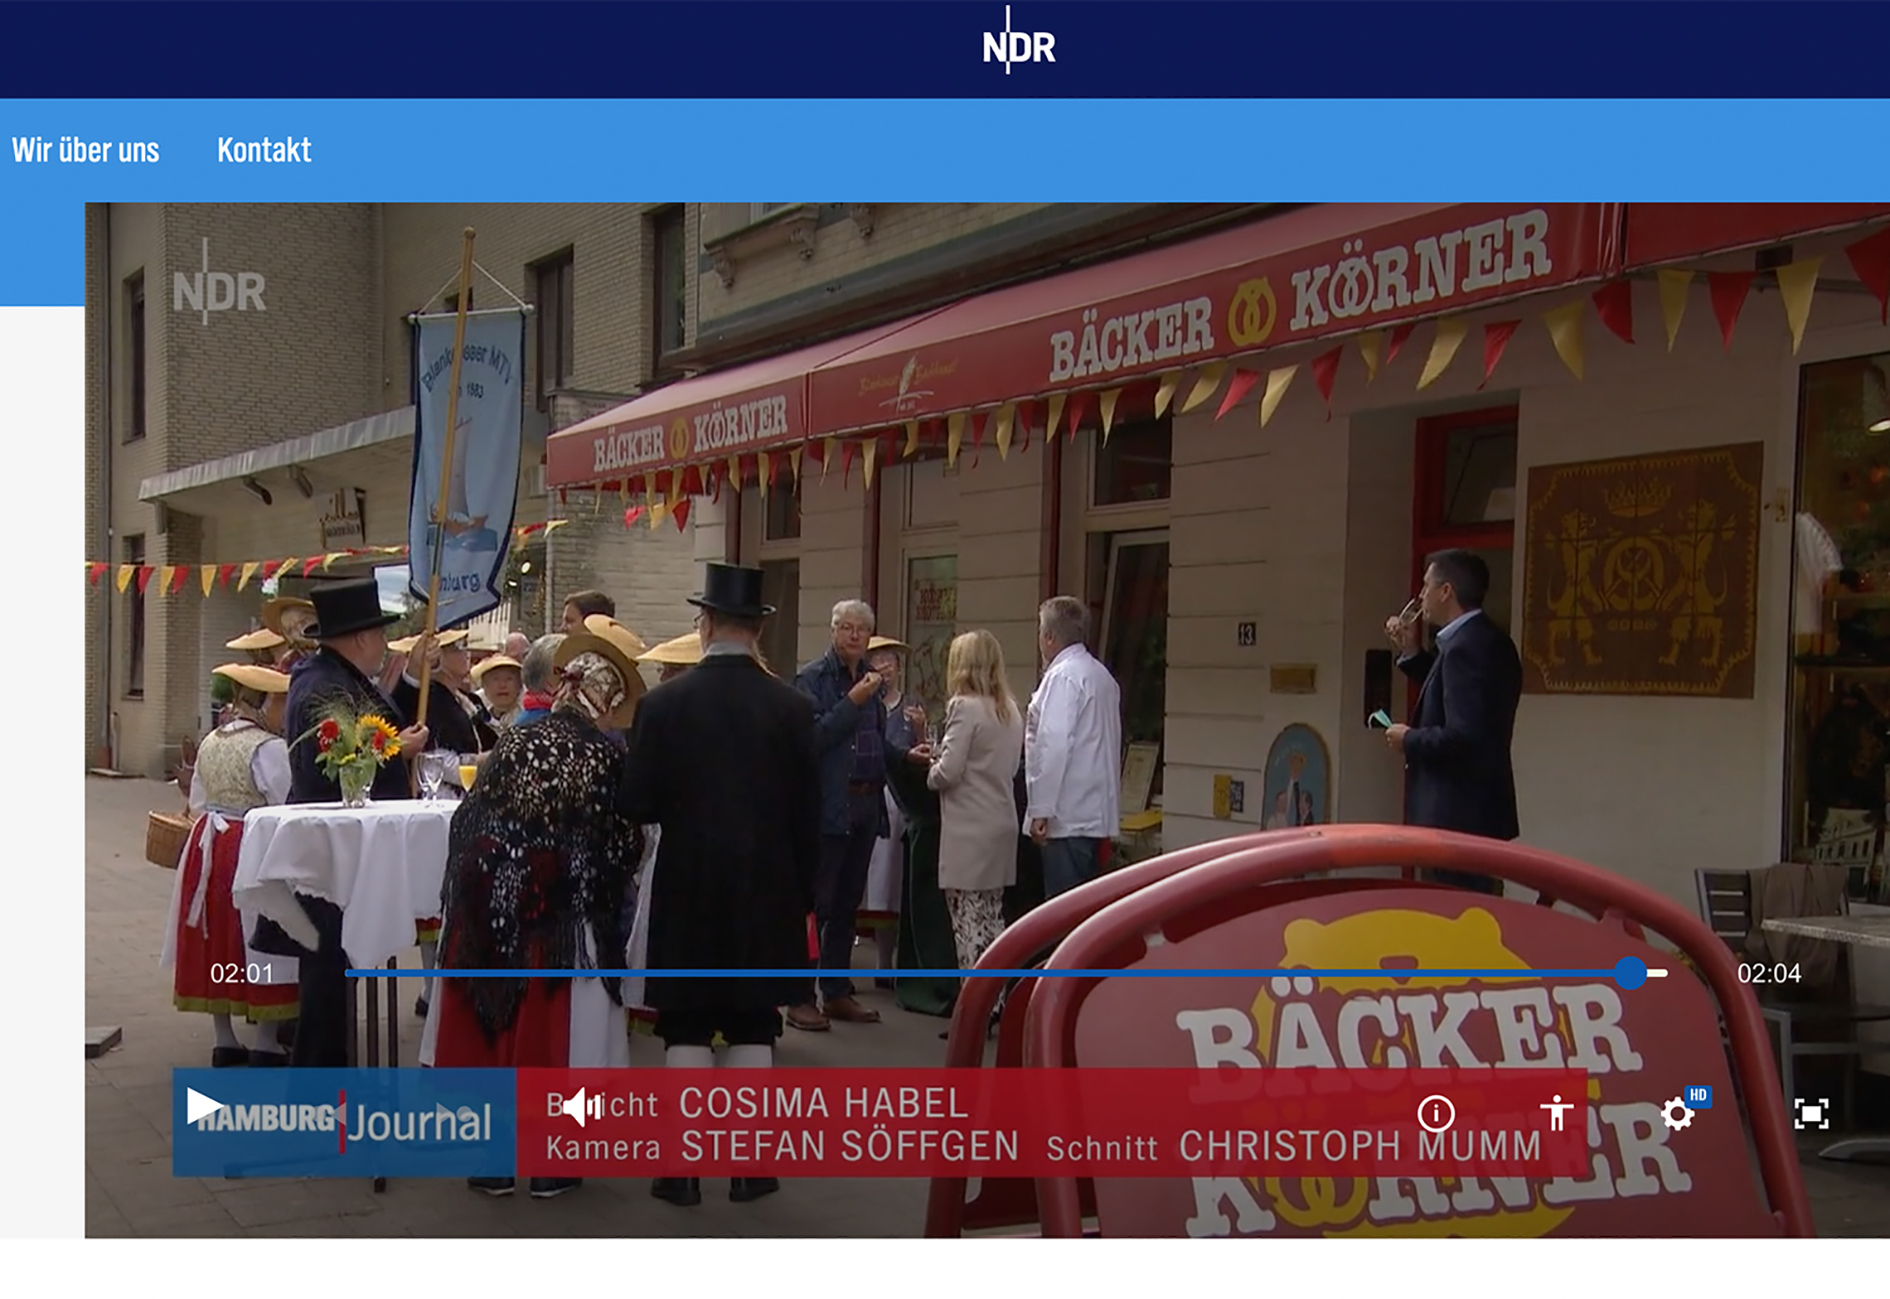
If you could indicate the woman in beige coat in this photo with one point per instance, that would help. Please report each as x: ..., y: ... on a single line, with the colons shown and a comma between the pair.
x: 973, y: 771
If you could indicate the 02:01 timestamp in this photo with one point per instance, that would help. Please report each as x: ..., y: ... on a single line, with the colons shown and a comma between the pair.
x: 1769, y: 974
x: 234, y: 973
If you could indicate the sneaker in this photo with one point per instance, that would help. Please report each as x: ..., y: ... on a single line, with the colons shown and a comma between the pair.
x: 493, y: 1186
x: 550, y: 1188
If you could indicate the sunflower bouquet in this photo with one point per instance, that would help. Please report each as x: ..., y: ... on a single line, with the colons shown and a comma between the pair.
x: 350, y: 747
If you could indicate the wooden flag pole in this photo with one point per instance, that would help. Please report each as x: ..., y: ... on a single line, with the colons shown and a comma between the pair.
x: 438, y: 540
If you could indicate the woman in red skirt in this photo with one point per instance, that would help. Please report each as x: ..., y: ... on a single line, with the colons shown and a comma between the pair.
x: 242, y: 764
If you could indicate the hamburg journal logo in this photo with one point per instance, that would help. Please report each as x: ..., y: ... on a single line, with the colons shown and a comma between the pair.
x: 1009, y: 47
x: 343, y: 1123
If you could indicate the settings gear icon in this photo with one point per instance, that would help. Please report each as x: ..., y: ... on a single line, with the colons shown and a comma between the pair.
x: 1667, y: 1114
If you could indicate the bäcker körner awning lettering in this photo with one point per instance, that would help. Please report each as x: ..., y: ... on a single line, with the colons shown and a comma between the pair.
x: 738, y: 426
x: 630, y: 449
x: 1135, y: 339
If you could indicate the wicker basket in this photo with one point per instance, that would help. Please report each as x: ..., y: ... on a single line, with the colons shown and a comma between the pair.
x: 164, y: 837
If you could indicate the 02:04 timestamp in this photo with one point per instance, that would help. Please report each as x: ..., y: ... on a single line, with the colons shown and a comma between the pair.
x: 1778, y: 972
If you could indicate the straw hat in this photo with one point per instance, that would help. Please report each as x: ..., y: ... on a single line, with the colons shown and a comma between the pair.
x: 289, y: 617
x: 254, y: 676
x: 613, y: 649
x: 599, y: 624
x: 885, y: 642
x: 684, y: 651
x: 406, y: 644
x: 261, y: 639
x: 486, y: 665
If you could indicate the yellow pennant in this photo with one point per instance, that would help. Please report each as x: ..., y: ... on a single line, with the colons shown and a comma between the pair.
x: 1205, y: 384
x: 1369, y: 344
x: 329, y: 559
x: 657, y: 510
x: 1444, y: 347
x: 827, y: 457
x: 1006, y: 418
x: 249, y: 571
x: 764, y: 469
x: 1278, y: 381
x: 1165, y: 392
x: 1109, y: 400
x: 912, y: 438
x: 555, y: 524
x: 207, y: 577
x: 794, y: 463
x: 1795, y: 285
x: 164, y: 575
x: 1673, y: 301
x: 735, y: 473
x: 1565, y: 331
x: 125, y: 572
x: 675, y: 489
x: 954, y: 437
x: 868, y: 454
x: 1057, y: 402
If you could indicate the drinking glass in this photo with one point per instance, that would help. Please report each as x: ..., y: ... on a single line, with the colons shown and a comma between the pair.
x: 432, y: 773
x: 1412, y: 611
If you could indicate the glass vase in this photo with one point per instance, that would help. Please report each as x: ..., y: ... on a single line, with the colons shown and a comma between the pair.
x: 355, y: 781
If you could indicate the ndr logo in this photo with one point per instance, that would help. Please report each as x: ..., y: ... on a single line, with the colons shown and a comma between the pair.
x: 1009, y: 47
x: 209, y: 290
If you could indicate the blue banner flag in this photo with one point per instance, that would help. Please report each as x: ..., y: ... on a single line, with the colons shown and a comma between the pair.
x: 343, y: 1123
x: 482, y: 489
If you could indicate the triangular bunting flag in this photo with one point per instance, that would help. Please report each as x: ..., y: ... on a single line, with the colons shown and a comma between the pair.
x: 977, y: 431
x: 1057, y: 401
x: 1614, y: 304
x: 1278, y: 381
x: 1399, y: 336
x: 1325, y: 371
x: 1496, y: 336
x: 1369, y: 344
x: 681, y: 514
x: 692, y: 481
x: 1079, y: 411
x: 207, y: 578
x: 1109, y: 400
x: 1165, y: 392
x: 1450, y: 334
x: 1026, y: 415
x: 631, y: 515
x: 165, y: 574
x: 1728, y: 290
x: 144, y: 577
x: 249, y: 571
x: 331, y: 558
x: 954, y: 437
x: 551, y: 526
x: 795, y: 457
x: 736, y: 477
x: 1243, y: 383
x: 1870, y: 259
x: 93, y: 572
x: 1796, y: 283
x: 1674, y: 286
x: 657, y: 510
x: 718, y: 475
x: 848, y: 451
x: 1205, y: 384
x: 1006, y: 420
x: 912, y: 438
x: 224, y: 574
x: 125, y: 572
x: 1565, y: 331
x: 826, y: 457
x: 869, y: 453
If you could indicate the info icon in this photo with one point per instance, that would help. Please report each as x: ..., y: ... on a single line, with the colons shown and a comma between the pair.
x: 1698, y: 1098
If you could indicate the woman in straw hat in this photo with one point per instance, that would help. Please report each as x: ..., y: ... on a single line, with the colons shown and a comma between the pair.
x: 456, y: 717
x: 242, y: 764
x: 538, y: 867
x: 885, y: 876
x: 290, y: 618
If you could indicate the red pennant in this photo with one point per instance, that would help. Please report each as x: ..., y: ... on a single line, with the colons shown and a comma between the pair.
x: 631, y: 515
x: 1728, y: 290
x: 271, y: 568
x: 144, y: 578
x: 977, y: 432
x: 776, y: 460
x: 1398, y: 338
x: 1870, y: 258
x: 849, y: 451
x: 717, y: 473
x: 311, y: 564
x: 1496, y: 336
x: 177, y: 578
x: 662, y: 481
x: 225, y: 573
x: 1242, y: 384
x: 635, y: 486
x: 93, y: 572
x: 692, y: 481
x: 682, y: 513
x: 1614, y: 304
x: 1078, y: 411
x: 1325, y: 369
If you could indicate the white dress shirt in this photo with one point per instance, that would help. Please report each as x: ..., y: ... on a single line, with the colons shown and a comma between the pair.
x: 1073, y: 749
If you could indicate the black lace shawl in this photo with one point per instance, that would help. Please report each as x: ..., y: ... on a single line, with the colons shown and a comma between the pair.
x: 538, y: 852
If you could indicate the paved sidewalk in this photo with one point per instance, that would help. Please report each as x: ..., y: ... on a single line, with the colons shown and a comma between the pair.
x: 130, y: 1190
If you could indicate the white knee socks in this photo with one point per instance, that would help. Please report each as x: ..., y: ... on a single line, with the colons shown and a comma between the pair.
x: 689, y: 1057
x: 225, y: 1031
x: 268, y: 1037
x: 750, y: 1057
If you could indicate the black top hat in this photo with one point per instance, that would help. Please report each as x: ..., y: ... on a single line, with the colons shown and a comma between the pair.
x: 733, y: 591
x: 345, y: 607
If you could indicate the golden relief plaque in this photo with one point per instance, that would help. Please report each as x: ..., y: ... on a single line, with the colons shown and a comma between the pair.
x: 1641, y: 575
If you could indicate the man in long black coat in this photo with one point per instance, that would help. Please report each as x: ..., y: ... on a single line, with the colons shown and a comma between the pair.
x: 722, y: 760
x: 1457, y: 754
x: 351, y: 631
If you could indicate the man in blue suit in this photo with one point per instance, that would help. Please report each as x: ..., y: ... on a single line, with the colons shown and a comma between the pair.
x: 1456, y: 754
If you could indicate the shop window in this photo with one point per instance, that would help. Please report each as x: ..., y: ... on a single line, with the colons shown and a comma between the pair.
x: 931, y: 622
x: 780, y: 635
x: 553, y: 282
x: 135, y: 354
x: 1128, y: 599
x: 783, y: 521
x: 671, y: 290
x: 134, y: 658
x: 1466, y: 497
x: 1840, y: 745
x: 1136, y: 465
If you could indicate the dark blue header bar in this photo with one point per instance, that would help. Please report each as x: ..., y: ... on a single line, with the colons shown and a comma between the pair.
x: 946, y: 49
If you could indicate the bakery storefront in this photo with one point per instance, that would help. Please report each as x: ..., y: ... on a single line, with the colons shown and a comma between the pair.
x: 1666, y: 427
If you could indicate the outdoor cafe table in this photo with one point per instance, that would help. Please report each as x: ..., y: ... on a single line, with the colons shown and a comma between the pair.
x: 381, y: 864
x: 1859, y: 931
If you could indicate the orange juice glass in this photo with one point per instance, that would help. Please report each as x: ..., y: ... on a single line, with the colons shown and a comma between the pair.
x: 467, y: 774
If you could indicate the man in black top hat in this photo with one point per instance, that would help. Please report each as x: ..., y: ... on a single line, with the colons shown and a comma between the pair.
x: 722, y: 760
x: 350, y: 632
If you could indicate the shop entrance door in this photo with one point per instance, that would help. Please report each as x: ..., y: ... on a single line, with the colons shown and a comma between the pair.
x: 1466, y: 498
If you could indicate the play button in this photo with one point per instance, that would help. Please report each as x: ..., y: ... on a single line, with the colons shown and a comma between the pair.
x: 197, y: 1106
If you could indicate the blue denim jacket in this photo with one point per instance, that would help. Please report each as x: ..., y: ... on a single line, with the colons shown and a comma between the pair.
x: 826, y: 681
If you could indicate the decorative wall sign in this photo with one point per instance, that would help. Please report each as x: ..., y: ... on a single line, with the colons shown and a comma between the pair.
x: 1640, y: 575
x: 1299, y: 780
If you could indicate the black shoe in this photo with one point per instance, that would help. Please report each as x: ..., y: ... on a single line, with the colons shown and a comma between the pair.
x: 744, y: 1189
x: 285, y: 1035
x: 228, y: 1057
x: 550, y: 1188
x: 268, y: 1059
x: 683, y: 1192
x: 494, y: 1186
x: 420, y: 1007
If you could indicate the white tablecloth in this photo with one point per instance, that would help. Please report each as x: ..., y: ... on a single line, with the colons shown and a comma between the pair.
x: 382, y: 864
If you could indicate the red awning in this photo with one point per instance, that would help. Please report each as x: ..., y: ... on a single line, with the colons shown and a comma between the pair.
x: 738, y: 411
x: 1328, y: 269
x: 1657, y: 233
